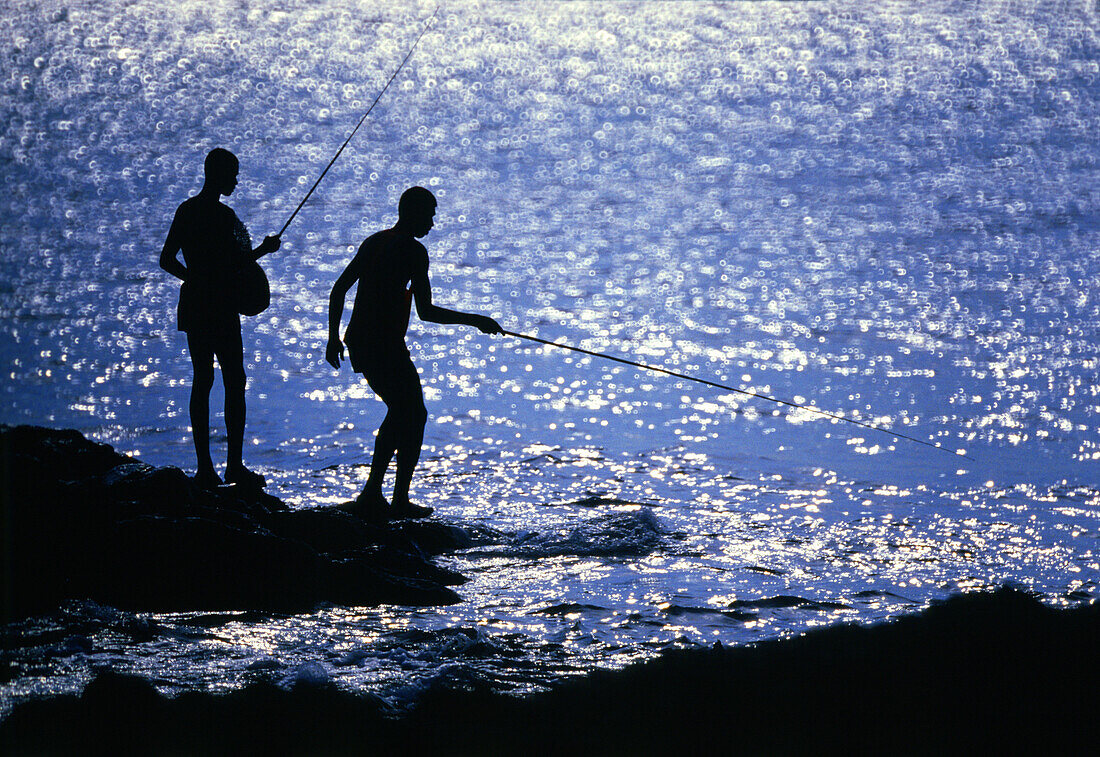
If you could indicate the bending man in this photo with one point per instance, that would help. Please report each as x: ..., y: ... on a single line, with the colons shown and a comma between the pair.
x: 214, y: 244
x: 392, y: 267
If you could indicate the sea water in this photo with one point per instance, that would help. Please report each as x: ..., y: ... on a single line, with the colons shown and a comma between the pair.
x: 887, y: 211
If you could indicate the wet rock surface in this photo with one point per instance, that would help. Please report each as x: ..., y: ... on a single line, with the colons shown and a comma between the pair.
x: 83, y: 521
x: 982, y: 673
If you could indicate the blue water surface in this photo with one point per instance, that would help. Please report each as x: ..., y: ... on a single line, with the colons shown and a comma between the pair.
x: 887, y: 211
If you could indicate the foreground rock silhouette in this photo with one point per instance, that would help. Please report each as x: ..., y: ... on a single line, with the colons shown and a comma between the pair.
x: 991, y: 673
x: 82, y: 521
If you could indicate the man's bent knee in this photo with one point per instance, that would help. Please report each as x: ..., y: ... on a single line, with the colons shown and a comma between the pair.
x: 408, y: 415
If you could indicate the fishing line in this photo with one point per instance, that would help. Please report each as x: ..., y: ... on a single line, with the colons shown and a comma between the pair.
x: 616, y: 359
x: 361, y: 120
x: 686, y: 377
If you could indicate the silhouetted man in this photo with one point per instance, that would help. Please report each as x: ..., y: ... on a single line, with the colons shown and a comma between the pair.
x: 214, y: 244
x: 387, y: 263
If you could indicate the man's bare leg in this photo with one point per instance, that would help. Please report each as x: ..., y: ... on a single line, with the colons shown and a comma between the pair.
x: 202, y: 363
x: 231, y: 358
x: 234, y: 421
x: 408, y: 454
x: 401, y: 434
x: 385, y: 446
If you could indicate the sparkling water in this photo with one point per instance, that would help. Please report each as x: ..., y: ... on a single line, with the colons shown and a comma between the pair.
x: 888, y: 213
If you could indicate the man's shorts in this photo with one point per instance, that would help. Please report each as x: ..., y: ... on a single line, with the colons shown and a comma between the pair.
x: 390, y: 372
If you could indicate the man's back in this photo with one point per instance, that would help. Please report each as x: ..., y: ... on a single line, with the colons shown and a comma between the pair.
x: 212, y: 240
x: 386, y: 263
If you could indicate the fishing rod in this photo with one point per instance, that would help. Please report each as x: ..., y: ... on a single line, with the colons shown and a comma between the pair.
x: 361, y: 120
x: 696, y: 379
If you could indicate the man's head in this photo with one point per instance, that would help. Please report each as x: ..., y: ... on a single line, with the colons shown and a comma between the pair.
x: 221, y: 168
x: 415, y: 210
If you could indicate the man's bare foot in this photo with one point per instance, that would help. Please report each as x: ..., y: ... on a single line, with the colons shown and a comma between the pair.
x: 243, y: 477
x: 370, y: 506
x: 372, y: 498
x: 403, y: 508
x: 208, y: 479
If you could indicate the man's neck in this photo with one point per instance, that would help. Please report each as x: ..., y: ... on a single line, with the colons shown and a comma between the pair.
x: 209, y: 194
x: 402, y: 228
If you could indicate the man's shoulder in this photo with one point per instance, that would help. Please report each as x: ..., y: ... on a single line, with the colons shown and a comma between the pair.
x: 201, y: 206
x: 412, y: 246
x: 374, y: 239
x: 187, y: 207
x: 394, y: 240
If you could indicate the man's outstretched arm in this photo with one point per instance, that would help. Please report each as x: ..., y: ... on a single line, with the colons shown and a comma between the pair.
x: 427, y: 311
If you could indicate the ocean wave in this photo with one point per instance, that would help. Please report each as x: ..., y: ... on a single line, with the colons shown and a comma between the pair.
x: 617, y: 534
x: 786, y: 601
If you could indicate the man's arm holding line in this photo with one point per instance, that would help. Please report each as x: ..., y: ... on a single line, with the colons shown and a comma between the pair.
x: 427, y: 311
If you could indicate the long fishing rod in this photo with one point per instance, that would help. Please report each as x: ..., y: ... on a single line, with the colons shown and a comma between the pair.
x: 361, y: 120
x: 686, y: 377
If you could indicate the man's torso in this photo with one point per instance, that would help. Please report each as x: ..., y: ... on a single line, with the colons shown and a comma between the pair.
x: 388, y: 260
x: 213, y: 241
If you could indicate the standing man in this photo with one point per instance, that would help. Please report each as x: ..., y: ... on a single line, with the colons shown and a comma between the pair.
x: 214, y: 244
x: 392, y: 268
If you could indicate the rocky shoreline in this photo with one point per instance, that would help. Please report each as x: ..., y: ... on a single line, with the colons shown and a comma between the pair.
x: 982, y: 673
x: 991, y: 672
x: 81, y: 521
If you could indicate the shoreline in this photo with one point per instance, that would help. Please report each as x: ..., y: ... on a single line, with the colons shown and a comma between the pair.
x: 994, y: 672
x: 82, y: 521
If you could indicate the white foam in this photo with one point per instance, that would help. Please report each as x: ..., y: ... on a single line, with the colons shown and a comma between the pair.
x: 620, y: 533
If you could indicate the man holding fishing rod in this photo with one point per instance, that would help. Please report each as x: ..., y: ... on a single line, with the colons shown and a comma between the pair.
x: 391, y: 267
x: 215, y: 246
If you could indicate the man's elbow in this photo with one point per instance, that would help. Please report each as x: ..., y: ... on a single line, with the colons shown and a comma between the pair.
x: 429, y: 313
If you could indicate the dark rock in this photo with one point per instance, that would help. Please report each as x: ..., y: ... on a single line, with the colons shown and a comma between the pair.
x: 598, y: 501
x: 257, y: 503
x: 158, y: 563
x: 356, y: 582
x: 391, y: 557
x: 43, y: 454
x: 435, y: 538
x: 160, y: 490
x: 83, y: 522
x: 994, y: 673
x: 325, y: 529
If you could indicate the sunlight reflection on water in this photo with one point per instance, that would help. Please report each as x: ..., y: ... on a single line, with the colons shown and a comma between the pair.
x: 888, y: 213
